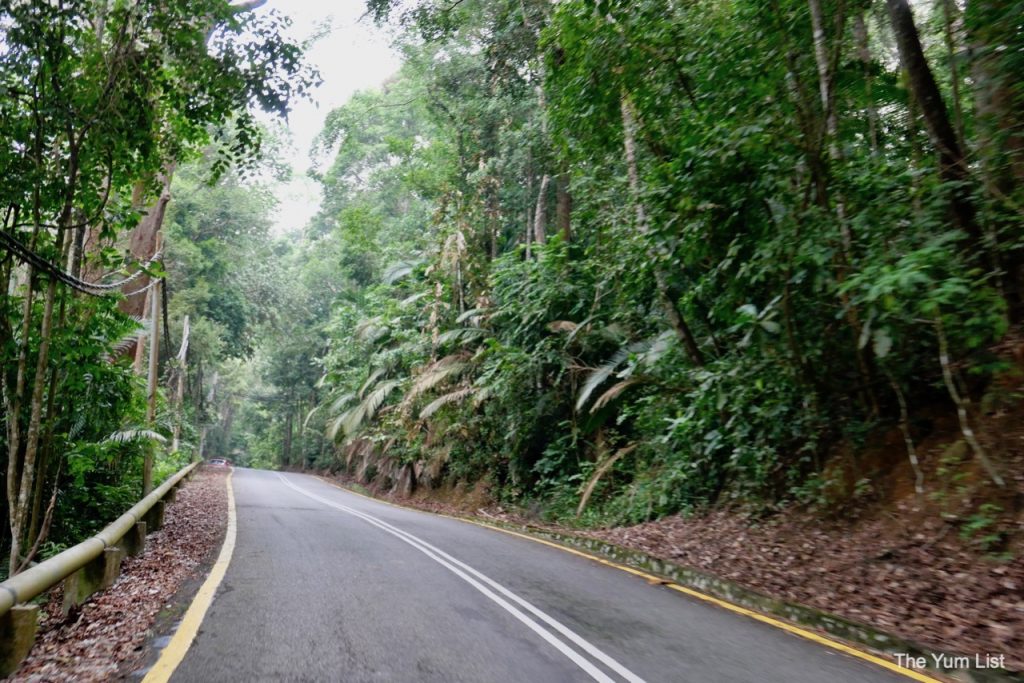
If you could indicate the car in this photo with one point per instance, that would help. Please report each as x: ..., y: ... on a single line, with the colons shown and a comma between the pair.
x: 219, y: 462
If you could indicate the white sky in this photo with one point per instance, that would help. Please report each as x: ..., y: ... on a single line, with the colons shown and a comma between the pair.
x: 356, y: 55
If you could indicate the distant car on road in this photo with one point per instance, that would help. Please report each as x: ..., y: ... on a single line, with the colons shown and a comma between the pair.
x: 219, y: 462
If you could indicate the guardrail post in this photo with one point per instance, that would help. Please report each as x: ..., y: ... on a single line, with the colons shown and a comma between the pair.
x: 172, y: 495
x: 94, y: 576
x: 84, y: 568
x: 111, y: 565
x: 17, y: 634
x: 155, y: 516
x: 134, y: 541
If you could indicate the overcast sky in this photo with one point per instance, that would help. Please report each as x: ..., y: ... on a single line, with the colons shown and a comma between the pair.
x: 356, y: 55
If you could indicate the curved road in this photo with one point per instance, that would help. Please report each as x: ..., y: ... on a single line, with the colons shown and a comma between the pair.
x: 325, y: 585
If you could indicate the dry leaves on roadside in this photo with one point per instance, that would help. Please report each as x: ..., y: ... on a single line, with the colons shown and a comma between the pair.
x: 112, y: 628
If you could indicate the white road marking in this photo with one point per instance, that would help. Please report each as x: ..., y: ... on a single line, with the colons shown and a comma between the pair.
x: 464, y: 572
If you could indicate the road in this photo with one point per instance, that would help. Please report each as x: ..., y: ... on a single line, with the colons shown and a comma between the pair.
x: 325, y: 585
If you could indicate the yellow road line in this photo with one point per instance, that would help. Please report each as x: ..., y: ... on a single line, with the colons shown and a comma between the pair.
x: 175, y: 652
x: 771, y: 621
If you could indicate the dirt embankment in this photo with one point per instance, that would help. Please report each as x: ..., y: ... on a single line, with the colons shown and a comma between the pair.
x: 110, y: 632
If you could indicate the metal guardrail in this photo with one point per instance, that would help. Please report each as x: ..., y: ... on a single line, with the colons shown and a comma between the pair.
x: 85, y: 568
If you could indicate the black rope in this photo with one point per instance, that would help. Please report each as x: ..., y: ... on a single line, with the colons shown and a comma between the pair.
x: 17, y: 247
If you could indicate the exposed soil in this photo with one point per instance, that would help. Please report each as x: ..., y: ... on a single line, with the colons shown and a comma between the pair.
x: 110, y: 631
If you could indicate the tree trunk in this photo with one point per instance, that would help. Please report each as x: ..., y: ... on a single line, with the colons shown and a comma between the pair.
x: 12, y: 406
x: 540, y: 216
x: 675, y: 318
x: 143, y: 243
x: 179, y: 392
x: 821, y: 59
x: 301, y: 436
x: 563, y: 206
x: 948, y: 9
x: 151, y: 385
x: 952, y: 164
x: 860, y: 33
x: 286, y: 456
x: 27, y: 479
x: 999, y: 122
x: 529, y: 214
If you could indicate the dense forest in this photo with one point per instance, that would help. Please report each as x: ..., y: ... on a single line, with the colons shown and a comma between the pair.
x: 607, y: 260
x: 626, y: 259
x: 100, y: 102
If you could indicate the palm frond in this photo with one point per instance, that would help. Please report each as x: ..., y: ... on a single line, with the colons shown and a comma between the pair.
x: 482, y: 394
x: 434, y: 374
x: 374, y: 376
x: 371, y: 330
x: 613, y: 393
x: 409, y: 300
x: 129, y: 435
x: 310, y: 414
x: 599, y: 472
x: 399, y: 270
x: 453, y: 397
x: 472, y: 313
x: 352, y: 419
x: 662, y: 343
x: 599, y: 375
x: 342, y: 401
x: 461, y: 334
x: 123, y: 344
x: 562, y: 326
x: 334, y: 426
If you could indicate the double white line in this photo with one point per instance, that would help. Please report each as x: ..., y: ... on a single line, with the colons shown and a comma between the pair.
x: 500, y: 595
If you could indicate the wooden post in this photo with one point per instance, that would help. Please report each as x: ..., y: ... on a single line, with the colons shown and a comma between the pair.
x: 179, y: 393
x: 154, y: 362
x: 140, y: 345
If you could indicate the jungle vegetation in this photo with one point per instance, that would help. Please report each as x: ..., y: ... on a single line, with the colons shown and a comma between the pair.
x: 612, y: 260
x: 100, y: 101
x: 623, y: 259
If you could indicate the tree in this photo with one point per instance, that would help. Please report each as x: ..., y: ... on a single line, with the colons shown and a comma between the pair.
x: 103, y: 99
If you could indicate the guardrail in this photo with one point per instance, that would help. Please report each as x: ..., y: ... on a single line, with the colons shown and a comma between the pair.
x: 90, y: 566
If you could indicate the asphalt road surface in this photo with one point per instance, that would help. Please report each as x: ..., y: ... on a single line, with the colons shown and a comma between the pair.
x: 325, y: 585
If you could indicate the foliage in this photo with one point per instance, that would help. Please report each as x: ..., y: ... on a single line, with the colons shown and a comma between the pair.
x: 99, y: 100
x: 811, y: 262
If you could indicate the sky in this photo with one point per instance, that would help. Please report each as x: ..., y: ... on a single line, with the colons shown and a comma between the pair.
x: 354, y: 56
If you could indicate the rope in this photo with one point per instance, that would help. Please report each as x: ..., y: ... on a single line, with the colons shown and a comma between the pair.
x: 17, y: 247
